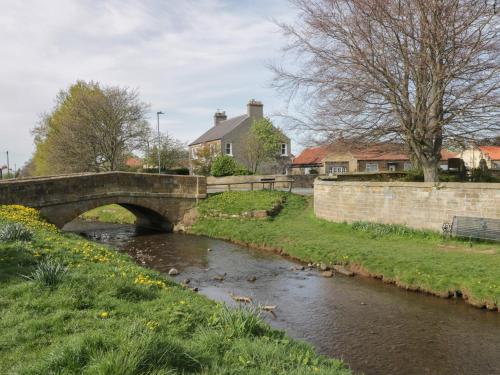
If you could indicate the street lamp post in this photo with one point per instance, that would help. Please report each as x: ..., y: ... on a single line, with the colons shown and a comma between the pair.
x: 158, y: 128
x: 8, y: 165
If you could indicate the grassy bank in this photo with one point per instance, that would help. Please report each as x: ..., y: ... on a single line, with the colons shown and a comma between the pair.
x: 69, y: 306
x: 411, y: 259
x: 112, y: 213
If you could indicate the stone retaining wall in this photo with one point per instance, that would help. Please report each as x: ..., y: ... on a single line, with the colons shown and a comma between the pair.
x: 419, y: 205
x: 215, y: 181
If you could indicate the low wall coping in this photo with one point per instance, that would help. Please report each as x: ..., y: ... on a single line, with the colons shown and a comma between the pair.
x: 436, y: 185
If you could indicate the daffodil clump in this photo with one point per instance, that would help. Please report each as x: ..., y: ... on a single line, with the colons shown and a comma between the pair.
x: 149, y: 281
x: 30, y: 217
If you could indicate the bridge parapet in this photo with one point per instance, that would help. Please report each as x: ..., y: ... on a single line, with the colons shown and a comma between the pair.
x: 153, y: 198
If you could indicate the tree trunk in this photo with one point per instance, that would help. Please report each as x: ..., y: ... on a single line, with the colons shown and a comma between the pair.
x: 430, y: 171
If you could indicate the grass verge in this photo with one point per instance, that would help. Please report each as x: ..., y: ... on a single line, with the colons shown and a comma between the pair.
x: 415, y: 260
x: 235, y: 203
x: 70, y: 306
x: 112, y: 213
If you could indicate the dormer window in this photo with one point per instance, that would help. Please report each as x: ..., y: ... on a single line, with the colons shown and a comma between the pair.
x: 284, y: 149
x: 229, y: 149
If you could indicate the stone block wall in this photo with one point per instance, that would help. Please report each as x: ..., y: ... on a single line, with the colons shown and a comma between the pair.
x: 219, y: 182
x: 300, y: 181
x: 419, y: 205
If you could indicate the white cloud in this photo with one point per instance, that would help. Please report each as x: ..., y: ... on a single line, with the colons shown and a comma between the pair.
x: 187, y: 58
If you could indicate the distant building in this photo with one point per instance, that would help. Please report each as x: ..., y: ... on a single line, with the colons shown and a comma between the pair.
x: 375, y: 158
x: 473, y: 155
x: 134, y: 163
x: 228, y: 137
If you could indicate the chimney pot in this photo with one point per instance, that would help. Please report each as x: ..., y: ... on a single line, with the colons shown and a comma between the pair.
x: 255, y: 109
x: 219, y: 116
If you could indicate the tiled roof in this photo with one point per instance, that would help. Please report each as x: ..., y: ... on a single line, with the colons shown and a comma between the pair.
x: 492, y: 151
x: 312, y: 155
x: 133, y: 162
x: 220, y: 130
x: 447, y: 154
x: 315, y: 155
x: 375, y: 153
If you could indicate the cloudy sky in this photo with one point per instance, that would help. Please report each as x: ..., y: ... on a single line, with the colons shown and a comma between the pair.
x: 186, y: 58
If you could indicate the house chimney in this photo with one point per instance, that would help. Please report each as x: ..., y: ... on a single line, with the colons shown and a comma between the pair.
x: 219, y: 116
x: 255, y: 109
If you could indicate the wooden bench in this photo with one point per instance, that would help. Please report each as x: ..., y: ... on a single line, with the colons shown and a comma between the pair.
x: 271, y: 182
x: 475, y: 227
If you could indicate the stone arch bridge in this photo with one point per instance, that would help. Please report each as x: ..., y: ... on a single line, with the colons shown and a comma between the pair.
x: 158, y: 201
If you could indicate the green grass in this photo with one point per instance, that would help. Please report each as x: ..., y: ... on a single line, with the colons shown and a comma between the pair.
x: 112, y: 213
x: 411, y: 259
x: 234, y: 203
x: 92, y: 310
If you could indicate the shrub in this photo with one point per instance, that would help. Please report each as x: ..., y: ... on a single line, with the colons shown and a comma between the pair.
x: 415, y: 174
x: 15, y: 232
x: 48, y: 273
x: 223, y: 165
x: 242, y: 171
x: 178, y: 171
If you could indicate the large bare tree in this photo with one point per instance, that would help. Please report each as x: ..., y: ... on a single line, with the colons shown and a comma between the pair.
x: 419, y: 72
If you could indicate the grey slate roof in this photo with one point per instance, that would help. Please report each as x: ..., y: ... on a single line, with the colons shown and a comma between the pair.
x: 220, y: 130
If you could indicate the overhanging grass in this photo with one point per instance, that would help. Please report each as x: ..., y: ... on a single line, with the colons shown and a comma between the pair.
x: 107, y: 315
x: 413, y: 259
x: 112, y: 213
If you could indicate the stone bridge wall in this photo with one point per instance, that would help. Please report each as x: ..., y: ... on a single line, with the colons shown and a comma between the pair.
x: 416, y: 204
x: 156, y: 200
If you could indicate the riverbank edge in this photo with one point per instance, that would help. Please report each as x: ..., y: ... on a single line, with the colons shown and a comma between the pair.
x: 358, y: 270
x: 158, y: 281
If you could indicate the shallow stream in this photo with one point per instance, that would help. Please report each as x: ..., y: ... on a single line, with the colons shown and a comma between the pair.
x: 375, y: 328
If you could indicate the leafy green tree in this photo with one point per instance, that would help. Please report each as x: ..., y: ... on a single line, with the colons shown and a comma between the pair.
x: 173, y: 152
x: 263, y: 144
x: 223, y: 165
x: 91, y: 128
x: 202, y: 162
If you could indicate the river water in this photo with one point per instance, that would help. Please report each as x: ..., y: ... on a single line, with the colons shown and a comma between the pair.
x: 375, y: 328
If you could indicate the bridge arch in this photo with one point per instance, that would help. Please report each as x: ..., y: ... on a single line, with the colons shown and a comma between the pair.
x: 145, y: 213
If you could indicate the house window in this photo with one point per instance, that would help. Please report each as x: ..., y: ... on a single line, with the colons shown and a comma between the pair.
x: 407, y: 166
x: 372, y: 167
x: 229, y: 149
x: 284, y: 150
x: 193, y: 153
x: 391, y: 167
x: 336, y: 169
